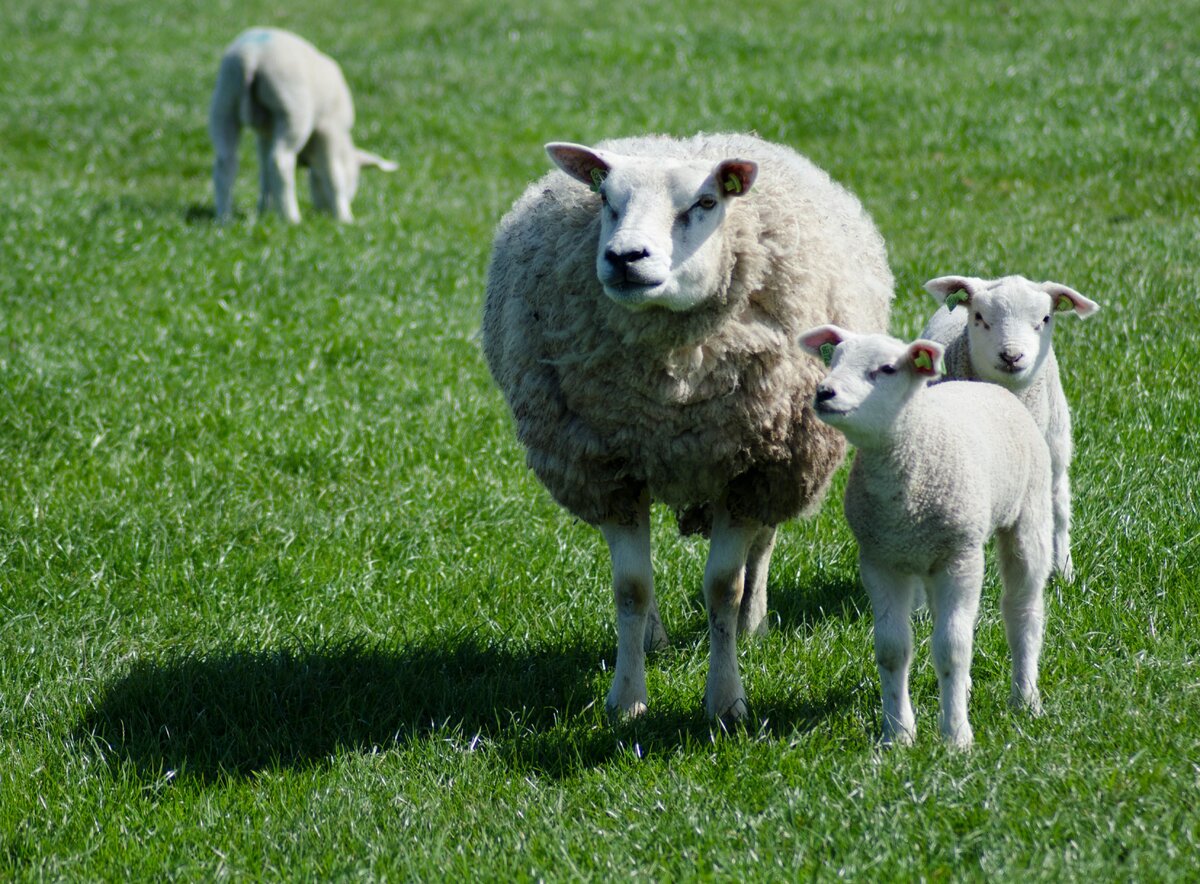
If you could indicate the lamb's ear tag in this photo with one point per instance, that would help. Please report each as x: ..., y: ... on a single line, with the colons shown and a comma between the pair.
x: 732, y: 183
x: 955, y: 298
x: 827, y: 352
x: 597, y: 179
x: 923, y: 361
x: 1063, y: 304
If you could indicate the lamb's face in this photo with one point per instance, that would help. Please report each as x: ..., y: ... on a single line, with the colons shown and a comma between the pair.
x: 1010, y: 322
x: 870, y: 380
x: 661, y: 223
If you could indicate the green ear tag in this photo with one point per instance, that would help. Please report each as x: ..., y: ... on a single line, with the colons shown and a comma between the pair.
x: 922, y: 360
x: 1063, y: 304
x: 732, y: 183
x: 597, y: 180
x: 827, y: 352
x: 955, y: 298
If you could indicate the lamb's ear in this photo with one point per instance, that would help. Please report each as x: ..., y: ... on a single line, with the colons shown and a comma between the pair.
x: 366, y: 158
x: 822, y: 340
x: 1067, y: 299
x: 735, y: 177
x: 925, y: 357
x: 585, y: 165
x: 952, y: 290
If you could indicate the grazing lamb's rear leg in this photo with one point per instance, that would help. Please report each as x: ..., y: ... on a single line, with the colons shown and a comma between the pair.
x: 226, y: 132
x: 752, y: 618
x: 954, y: 594
x: 633, y: 590
x: 1024, y: 558
x: 724, y: 582
x: 892, y: 595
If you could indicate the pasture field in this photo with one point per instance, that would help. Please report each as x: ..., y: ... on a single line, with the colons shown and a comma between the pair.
x: 278, y: 597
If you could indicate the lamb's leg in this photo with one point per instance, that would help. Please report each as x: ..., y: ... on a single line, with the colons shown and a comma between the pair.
x: 1024, y: 559
x: 226, y: 132
x: 752, y: 618
x: 633, y: 591
x: 724, y: 582
x: 1062, y: 523
x: 954, y: 593
x: 892, y: 596
x: 264, y: 173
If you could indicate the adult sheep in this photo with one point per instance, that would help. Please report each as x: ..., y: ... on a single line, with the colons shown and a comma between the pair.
x: 643, y: 310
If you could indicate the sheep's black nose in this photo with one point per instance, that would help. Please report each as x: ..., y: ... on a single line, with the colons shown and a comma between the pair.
x: 624, y: 259
x: 824, y: 394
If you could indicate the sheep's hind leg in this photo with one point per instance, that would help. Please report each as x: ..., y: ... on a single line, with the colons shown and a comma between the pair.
x: 892, y: 596
x: 752, y: 616
x: 1024, y: 559
x: 724, y: 584
x: 633, y: 591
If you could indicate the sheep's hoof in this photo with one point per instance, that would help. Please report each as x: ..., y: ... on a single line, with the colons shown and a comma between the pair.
x: 961, y: 739
x: 753, y: 626
x: 728, y: 712
x: 1029, y: 704
x: 618, y: 714
x: 1066, y: 571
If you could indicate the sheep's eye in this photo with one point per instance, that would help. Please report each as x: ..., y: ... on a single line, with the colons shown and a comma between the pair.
x: 603, y: 198
x: 978, y: 316
x: 1045, y: 319
x: 707, y: 201
x: 887, y: 369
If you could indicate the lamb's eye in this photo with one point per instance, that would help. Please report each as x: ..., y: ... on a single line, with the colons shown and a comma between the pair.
x: 1045, y: 319
x: 887, y: 369
x: 707, y: 201
x: 978, y: 316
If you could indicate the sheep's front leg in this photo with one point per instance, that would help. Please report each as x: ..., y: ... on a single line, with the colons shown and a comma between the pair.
x: 1062, y: 523
x: 225, y: 167
x: 892, y: 596
x: 633, y: 591
x: 955, y: 595
x: 752, y: 618
x: 724, y: 583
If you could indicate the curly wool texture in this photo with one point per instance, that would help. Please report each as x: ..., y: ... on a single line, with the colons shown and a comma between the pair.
x: 708, y: 405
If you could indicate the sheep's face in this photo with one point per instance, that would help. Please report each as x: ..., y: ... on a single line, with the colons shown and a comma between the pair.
x: 870, y: 380
x: 661, y: 223
x: 1009, y: 322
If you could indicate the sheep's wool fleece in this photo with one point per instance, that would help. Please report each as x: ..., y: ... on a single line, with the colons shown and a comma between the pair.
x: 695, y: 407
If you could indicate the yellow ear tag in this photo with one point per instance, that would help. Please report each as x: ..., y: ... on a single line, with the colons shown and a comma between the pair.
x: 955, y: 298
x: 827, y: 352
x: 597, y: 179
x: 732, y: 183
x: 1063, y: 304
x: 922, y: 360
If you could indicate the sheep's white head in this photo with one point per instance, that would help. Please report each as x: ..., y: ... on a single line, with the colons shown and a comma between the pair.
x: 661, y: 222
x: 1009, y: 322
x: 871, y: 378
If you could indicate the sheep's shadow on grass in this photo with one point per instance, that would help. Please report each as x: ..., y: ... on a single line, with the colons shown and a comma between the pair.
x: 803, y: 607
x: 213, y: 716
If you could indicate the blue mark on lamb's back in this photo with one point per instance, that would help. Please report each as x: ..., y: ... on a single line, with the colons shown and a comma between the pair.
x: 254, y: 36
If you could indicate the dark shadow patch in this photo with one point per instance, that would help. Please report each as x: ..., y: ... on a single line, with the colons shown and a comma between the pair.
x: 211, y: 716
x: 202, y: 213
x: 818, y: 600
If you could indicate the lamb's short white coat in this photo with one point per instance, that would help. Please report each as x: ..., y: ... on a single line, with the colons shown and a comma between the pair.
x: 297, y: 101
x: 1003, y: 335
x: 938, y: 470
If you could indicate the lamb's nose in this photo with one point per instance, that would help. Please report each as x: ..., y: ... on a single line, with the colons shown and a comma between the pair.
x: 824, y: 394
x: 1011, y: 358
x: 624, y: 259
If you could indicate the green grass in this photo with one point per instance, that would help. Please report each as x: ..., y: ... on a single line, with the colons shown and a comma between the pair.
x: 278, y: 598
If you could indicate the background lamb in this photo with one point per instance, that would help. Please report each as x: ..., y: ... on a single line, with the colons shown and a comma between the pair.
x: 1008, y: 341
x: 298, y: 103
x: 937, y: 470
x: 643, y: 307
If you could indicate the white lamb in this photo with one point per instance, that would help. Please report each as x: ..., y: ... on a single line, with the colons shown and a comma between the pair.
x: 298, y: 103
x: 1004, y: 337
x: 938, y: 469
x: 643, y: 308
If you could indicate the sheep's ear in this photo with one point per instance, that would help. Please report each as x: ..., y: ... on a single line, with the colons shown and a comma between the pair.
x: 366, y: 158
x: 735, y: 177
x: 822, y: 340
x: 1067, y: 299
x: 585, y: 165
x: 952, y: 290
x: 926, y: 358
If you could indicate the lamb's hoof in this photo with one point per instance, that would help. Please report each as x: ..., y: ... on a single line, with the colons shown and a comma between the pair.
x: 1029, y: 704
x: 898, y: 739
x: 753, y: 627
x: 617, y: 713
x: 729, y: 712
x: 961, y: 739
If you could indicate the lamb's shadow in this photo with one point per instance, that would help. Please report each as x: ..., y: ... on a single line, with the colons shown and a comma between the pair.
x: 233, y: 713
x: 802, y: 607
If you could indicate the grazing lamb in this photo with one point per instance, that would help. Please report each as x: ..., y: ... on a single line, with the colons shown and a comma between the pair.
x: 298, y: 103
x: 1004, y: 336
x: 937, y: 471
x: 643, y: 307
